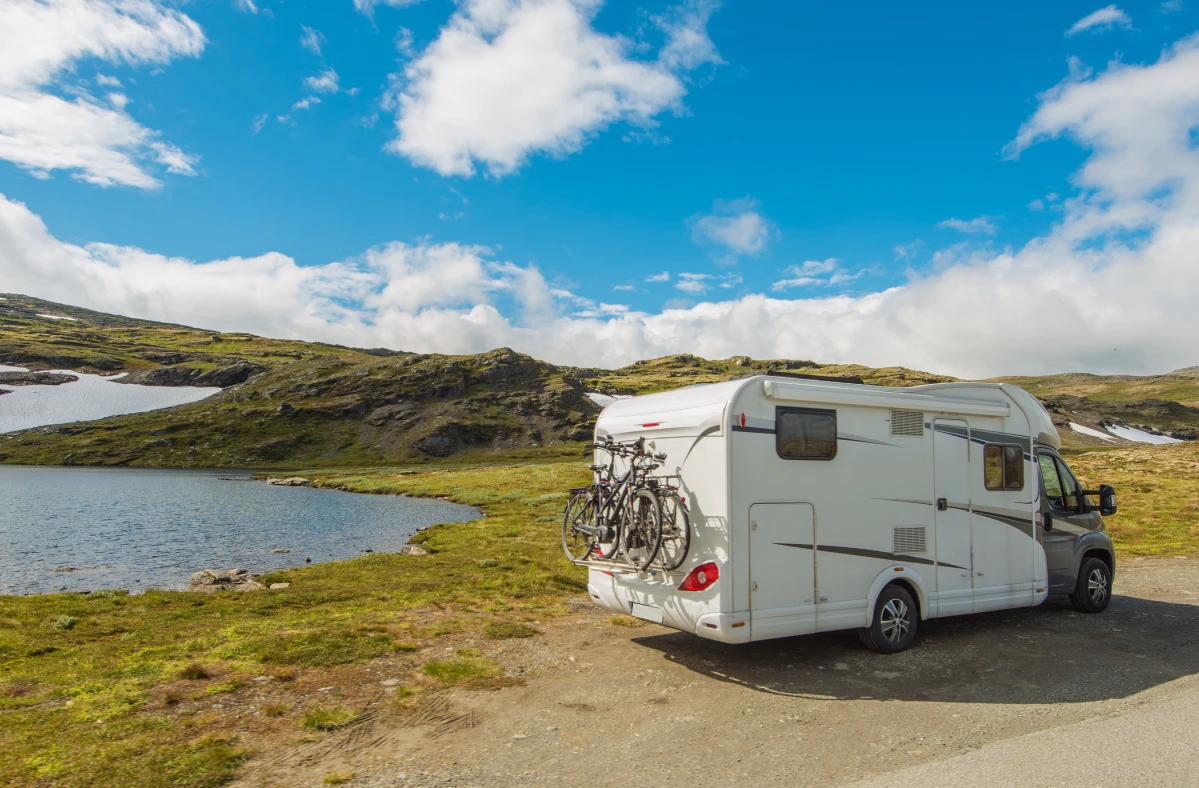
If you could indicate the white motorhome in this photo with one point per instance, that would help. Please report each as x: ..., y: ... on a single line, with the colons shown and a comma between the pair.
x: 819, y: 505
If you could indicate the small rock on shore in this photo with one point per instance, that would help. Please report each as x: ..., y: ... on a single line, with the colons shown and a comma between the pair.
x: 290, y: 481
x: 209, y: 581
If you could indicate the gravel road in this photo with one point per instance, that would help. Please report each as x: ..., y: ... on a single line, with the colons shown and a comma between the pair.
x: 609, y: 705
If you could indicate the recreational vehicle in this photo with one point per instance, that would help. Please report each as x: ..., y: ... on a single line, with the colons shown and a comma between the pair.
x: 819, y: 505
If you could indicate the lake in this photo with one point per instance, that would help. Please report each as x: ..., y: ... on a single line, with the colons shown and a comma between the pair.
x: 138, y: 529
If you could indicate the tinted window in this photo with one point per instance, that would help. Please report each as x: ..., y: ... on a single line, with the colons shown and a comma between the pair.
x: 1053, y: 484
x: 806, y: 434
x: 1003, y: 467
x: 1071, y: 493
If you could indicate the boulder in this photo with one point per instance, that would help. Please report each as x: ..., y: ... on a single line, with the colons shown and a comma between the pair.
x: 411, y: 549
x: 210, y: 581
x: 290, y: 481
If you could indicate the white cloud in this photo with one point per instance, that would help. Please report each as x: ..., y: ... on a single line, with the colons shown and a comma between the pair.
x: 1171, y: 6
x: 325, y: 82
x: 105, y: 81
x: 368, y: 6
x: 816, y: 273
x: 735, y: 226
x: 311, y: 39
x: 260, y: 121
x: 41, y: 43
x: 662, y: 277
x: 907, y: 251
x: 1105, y: 18
x: 306, y: 103
x: 248, y: 6
x: 984, y: 225
x: 693, y: 284
x: 1113, y: 282
x: 1037, y: 205
x: 507, y: 79
x: 624, y: 288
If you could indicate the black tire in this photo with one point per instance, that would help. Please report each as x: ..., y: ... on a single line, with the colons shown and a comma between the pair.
x: 1093, y: 590
x: 894, y: 625
x: 641, y: 529
x: 580, y: 510
x: 676, y: 534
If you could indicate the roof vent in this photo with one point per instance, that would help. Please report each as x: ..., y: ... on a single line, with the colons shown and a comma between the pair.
x: 907, y: 422
x: 909, y: 540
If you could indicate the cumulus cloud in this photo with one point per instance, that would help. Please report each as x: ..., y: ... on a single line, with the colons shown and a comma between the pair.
x: 662, y: 277
x: 816, y: 273
x: 507, y: 79
x: 1109, y: 288
x: 1105, y: 18
x: 48, y: 118
x: 734, y: 228
x: 984, y: 225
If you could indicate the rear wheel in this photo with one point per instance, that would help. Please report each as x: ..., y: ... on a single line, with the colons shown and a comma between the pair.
x: 676, y: 534
x: 641, y: 529
x: 1093, y: 590
x: 580, y: 511
x: 894, y: 625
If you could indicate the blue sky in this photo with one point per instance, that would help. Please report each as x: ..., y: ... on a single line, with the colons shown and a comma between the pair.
x: 807, y: 150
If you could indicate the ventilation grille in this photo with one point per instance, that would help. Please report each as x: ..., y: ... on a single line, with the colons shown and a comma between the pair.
x: 909, y: 540
x: 907, y: 422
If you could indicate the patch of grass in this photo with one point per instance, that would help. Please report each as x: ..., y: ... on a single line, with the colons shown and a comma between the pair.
x: 507, y: 630
x: 275, y: 709
x: 337, y: 778
x: 458, y: 669
x: 328, y: 719
x: 622, y: 620
x: 318, y: 647
x: 225, y: 687
x: 65, y: 623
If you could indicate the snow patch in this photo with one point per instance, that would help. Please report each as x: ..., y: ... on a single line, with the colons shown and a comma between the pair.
x: 89, y: 398
x: 1092, y: 432
x: 1140, y: 436
x: 56, y: 317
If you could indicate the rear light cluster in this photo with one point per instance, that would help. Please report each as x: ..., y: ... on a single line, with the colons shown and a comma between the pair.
x: 701, y: 577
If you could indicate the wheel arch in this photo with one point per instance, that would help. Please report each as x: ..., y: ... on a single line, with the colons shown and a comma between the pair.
x: 902, y: 575
x: 1095, y: 545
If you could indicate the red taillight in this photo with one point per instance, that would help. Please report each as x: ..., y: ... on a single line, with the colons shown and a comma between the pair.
x: 701, y: 577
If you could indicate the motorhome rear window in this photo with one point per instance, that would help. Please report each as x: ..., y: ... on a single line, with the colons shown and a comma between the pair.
x: 1003, y: 466
x: 806, y: 433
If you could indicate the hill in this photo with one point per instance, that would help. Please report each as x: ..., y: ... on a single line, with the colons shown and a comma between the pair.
x: 289, y: 403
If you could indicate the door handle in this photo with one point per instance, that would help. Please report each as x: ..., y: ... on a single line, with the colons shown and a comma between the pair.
x: 942, y: 504
x: 1047, y: 522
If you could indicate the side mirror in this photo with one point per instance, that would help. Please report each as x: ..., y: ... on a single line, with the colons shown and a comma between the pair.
x: 1107, y: 500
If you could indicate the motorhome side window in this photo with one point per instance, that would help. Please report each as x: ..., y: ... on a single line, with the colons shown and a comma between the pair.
x: 806, y: 434
x: 1003, y: 466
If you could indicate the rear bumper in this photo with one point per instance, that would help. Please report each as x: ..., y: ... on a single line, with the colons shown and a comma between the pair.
x: 697, y: 613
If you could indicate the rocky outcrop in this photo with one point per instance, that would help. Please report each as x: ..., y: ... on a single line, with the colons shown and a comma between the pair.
x: 210, y: 581
x: 221, y: 377
x: 290, y: 481
x: 36, y: 378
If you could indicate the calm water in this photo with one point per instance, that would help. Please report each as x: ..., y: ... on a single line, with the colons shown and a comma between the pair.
x: 137, y: 529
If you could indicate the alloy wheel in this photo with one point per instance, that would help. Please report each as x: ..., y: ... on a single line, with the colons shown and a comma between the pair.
x: 894, y: 620
x: 1097, y: 586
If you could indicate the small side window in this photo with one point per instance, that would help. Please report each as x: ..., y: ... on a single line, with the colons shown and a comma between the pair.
x: 1003, y: 467
x: 806, y: 434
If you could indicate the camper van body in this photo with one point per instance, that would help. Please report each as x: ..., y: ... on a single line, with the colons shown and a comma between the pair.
x: 807, y: 545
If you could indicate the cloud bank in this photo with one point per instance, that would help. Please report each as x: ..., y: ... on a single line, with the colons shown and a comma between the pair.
x: 1111, y: 288
x: 50, y: 118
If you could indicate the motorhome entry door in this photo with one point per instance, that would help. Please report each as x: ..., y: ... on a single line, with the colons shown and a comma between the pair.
x: 951, y: 505
x: 782, y: 566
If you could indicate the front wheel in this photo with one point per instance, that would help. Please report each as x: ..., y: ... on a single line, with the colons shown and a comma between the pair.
x: 1093, y: 591
x: 894, y: 625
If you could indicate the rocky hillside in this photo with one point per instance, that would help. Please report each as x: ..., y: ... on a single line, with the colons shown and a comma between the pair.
x: 289, y: 404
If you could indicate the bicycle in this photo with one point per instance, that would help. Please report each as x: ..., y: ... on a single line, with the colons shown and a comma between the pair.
x: 615, y: 514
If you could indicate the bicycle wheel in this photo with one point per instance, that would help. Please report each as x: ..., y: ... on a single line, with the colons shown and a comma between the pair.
x: 641, y: 534
x: 580, y: 511
x: 676, y: 533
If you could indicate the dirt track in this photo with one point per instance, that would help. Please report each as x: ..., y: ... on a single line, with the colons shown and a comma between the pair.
x: 607, y: 705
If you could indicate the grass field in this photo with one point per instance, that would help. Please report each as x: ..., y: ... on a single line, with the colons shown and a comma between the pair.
x: 102, y: 689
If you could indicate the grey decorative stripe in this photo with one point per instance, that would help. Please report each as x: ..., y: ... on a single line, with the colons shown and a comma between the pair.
x: 905, y: 500
x: 840, y: 436
x: 983, y: 437
x: 909, y: 559
x: 1019, y: 522
x: 761, y: 430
